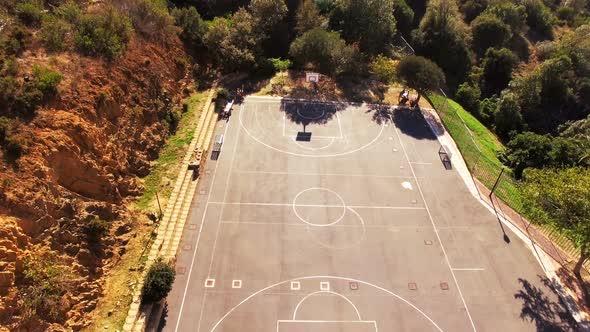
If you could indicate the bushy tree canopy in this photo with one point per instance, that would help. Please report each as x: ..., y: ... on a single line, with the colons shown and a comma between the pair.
x: 498, y: 65
x: 323, y: 50
x: 307, y: 17
x: 489, y: 31
x: 444, y: 38
x: 371, y: 23
x: 420, y: 73
x: 561, y: 199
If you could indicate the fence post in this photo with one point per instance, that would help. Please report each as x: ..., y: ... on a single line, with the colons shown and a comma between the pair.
x: 497, y: 181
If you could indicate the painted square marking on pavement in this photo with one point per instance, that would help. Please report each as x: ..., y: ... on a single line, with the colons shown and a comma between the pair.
x: 412, y: 286
x: 325, y: 286
x: 354, y: 285
x: 295, y: 285
x: 236, y: 283
x: 209, y: 283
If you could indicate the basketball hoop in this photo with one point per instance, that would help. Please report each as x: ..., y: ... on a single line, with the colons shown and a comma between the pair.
x: 312, y: 77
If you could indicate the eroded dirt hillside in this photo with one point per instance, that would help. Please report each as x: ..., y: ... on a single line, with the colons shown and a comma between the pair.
x: 63, y: 219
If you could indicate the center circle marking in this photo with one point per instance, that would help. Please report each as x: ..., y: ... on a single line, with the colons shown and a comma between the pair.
x: 310, y: 223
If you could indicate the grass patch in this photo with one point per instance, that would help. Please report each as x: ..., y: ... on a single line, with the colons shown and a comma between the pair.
x: 479, y: 149
x: 165, y: 169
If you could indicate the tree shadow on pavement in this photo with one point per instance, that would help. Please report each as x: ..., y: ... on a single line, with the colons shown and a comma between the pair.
x: 306, y: 113
x: 411, y: 122
x: 382, y: 113
x: 538, y: 308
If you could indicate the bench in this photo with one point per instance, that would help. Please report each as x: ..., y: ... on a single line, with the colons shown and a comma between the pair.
x: 445, y: 156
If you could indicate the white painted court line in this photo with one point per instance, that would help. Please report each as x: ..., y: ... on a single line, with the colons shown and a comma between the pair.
x: 433, y: 223
x: 468, y: 269
x: 227, y: 182
x: 326, y: 277
x: 322, y: 205
x: 339, y: 125
x: 326, y: 292
x: 325, y: 174
x: 190, y: 271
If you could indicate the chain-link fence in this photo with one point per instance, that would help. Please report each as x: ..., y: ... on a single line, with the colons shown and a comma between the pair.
x: 495, y: 183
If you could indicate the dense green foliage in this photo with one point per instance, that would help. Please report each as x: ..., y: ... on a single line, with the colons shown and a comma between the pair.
x: 105, y: 33
x: 192, y: 27
x: 561, y: 199
x: 384, y: 69
x: 369, y: 23
x: 158, y: 282
x: 45, y: 284
x: 322, y: 50
x: 443, y: 37
x: 420, y: 73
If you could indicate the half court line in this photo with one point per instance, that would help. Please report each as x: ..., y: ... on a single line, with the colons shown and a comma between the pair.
x: 326, y: 174
x: 321, y: 205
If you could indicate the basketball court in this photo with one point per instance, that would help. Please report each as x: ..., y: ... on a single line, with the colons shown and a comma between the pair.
x: 338, y: 217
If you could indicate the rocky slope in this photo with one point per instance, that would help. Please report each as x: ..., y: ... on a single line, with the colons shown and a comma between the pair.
x: 83, y: 153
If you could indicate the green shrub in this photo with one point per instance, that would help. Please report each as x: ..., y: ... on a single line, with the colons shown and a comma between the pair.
x: 150, y: 18
x: 280, y: 64
x: 103, y: 34
x: 44, y: 284
x: 468, y: 96
x: 566, y: 14
x: 539, y: 18
x: 14, y: 146
x: 158, y: 282
x: 54, y: 33
x: 4, y: 127
x: 95, y: 230
x: 192, y: 27
x: 69, y: 11
x: 30, y: 12
x: 16, y: 41
x: 384, y: 68
x: 46, y: 80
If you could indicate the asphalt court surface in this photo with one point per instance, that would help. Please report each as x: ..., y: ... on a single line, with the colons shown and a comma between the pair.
x: 333, y: 217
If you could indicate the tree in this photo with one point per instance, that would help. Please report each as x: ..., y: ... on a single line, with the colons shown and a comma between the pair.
x: 371, y: 23
x: 233, y: 41
x: 555, y: 89
x: 472, y: 8
x: 103, y: 33
x: 384, y: 68
x: 280, y: 64
x: 192, y: 26
x: 307, y: 17
x: 508, y: 117
x: 511, y: 14
x: 420, y: 73
x: 489, y: 31
x: 323, y: 50
x: 528, y: 149
x: 266, y: 14
x: 404, y: 16
x: 443, y: 37
x: 539, y: 18
x: 498, y: 65
x: 561, y: 199
x: 468, y: 96
x: 158, y: 282
x: 54, y: 32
